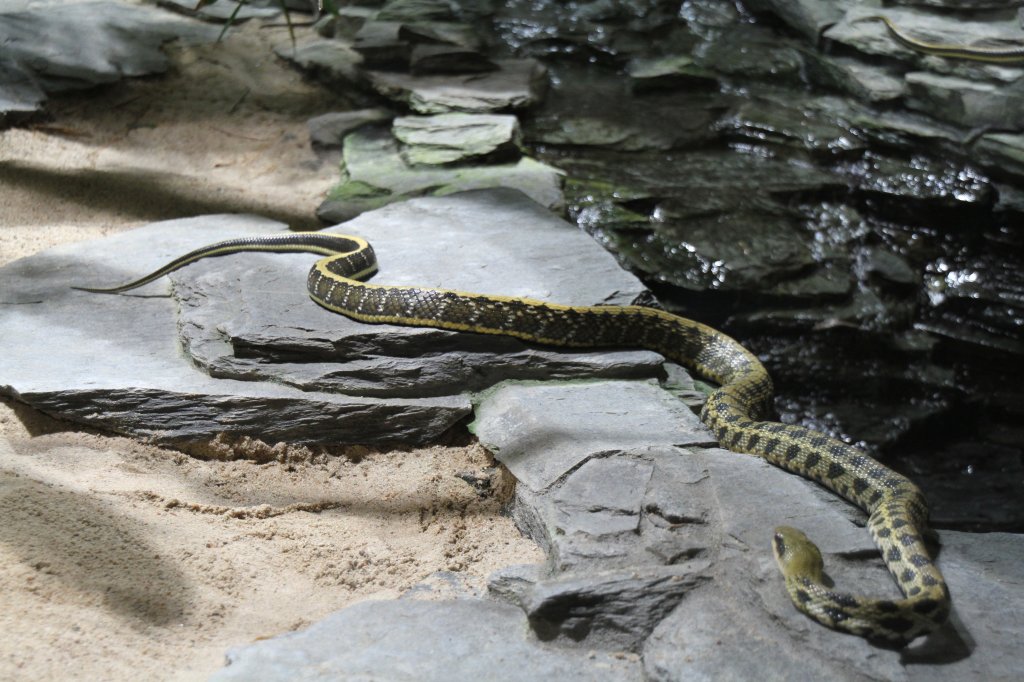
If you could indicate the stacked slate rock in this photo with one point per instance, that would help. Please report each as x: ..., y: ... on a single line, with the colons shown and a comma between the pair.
x: 456, y: 129
x: 849, y: 208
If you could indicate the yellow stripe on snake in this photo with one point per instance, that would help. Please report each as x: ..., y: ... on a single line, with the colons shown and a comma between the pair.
x: 979, y: 53
x: 734, y: 412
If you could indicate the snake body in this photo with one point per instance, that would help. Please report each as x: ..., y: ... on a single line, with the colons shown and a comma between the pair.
x: 994, y: 55
x: 735, y: 412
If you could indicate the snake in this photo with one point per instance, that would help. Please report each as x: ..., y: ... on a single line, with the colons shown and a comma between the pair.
x: 993, y: 55
x: 736, y: 412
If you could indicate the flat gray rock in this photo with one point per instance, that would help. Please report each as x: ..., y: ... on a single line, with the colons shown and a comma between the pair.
x: 968, y: 102
x: 864, y: 81
x: 117, y: 364
x: 1003, y: 152
x: 449, y: 33
x: 239, y: 348
x: 375, y: 173
x: 20, y: 95
x: 671, y: 72
x: 249, y: 317
x: 516, y: 84
x: 434, y: 59
x: 380, y: 46
x: 808, y: 17
x: 85, y: 44
x: 425, y: 641
x: 331, y: 61
x: 872, y: 37
x: 457, y: 138
x: 665, y: 550
x: 329, y: 130
x: 418, y: 10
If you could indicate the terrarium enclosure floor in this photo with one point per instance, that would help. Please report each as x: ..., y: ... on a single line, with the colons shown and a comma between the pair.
x: 118, y: 559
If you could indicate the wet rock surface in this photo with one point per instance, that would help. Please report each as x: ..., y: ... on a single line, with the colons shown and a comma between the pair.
x: 836, y: 203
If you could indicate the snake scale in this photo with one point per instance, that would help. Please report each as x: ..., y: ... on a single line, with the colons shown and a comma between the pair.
x: 735, y: 412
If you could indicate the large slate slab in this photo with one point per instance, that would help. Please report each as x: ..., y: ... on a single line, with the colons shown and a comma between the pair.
x: 574, y: 429
x: 872, y: 37
x: 422, y: 641
x: 664, y: 550
x: 115, y: 362
x: 328, y: 130
x: 968, y: 102
x: 240, y: 348
x: 222, y: 10
x: 659, y: 552
x: 79, y: 45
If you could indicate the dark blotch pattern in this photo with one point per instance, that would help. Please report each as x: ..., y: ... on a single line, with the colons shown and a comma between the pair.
x: 835, y: 470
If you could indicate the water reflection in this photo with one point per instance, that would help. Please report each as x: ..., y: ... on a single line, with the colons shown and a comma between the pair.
x: 869, y: 253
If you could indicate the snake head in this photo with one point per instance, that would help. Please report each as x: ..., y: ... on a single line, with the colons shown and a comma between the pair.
x: 796, y: 555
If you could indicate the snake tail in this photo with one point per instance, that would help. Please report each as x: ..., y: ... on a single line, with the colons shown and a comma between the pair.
x: 736, y: 413
x: 355, y: 252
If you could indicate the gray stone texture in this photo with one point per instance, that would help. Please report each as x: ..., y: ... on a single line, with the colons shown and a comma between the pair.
x: 434, y: 59
x: 380, y: 46
x: 457, y: 138
x: 962, y: 92
x: 238, y: 347
x: 967, y: 102
x: 808, y: 17
x: 516, y: 84
x: 1002, y: 153
x: 659, y: 555
x: 375, y: 173
x: 115, y: 362
x: 965, y: 93
x: 423, y: 641
x: 331, y: 61
x: 20, y: 95
x: 329, y: 130
x: 79, y: 45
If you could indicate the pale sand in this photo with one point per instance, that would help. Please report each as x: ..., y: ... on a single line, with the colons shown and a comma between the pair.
x: 120, y: 560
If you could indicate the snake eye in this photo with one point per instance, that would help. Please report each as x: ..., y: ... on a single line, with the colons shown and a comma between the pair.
x: 780, y: 544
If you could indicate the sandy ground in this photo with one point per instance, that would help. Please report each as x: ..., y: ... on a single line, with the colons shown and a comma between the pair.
x: 120, y: 560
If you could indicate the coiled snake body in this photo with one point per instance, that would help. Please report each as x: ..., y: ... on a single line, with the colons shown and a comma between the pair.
x: 734, y: 412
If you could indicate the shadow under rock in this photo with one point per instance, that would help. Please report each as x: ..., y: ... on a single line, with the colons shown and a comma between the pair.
x: 144, y: 195
x: 77, y: 541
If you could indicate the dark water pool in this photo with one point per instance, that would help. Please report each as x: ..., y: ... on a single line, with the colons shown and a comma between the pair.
x: 871, y: 254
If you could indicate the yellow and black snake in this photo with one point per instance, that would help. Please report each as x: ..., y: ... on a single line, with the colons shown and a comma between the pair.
x: 979, y: 53
x: 734, y: 412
